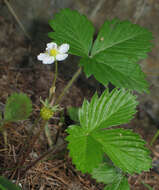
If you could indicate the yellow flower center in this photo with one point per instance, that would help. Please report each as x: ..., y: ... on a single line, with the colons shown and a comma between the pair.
x: 53, y: 52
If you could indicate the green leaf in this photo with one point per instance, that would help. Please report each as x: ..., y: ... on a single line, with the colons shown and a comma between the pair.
x: 86, y: 153
x: 18, y: 107
x: 125, y: 149
x: 111, y: 109
x: 106, y: 174
x: 123, y: 37
x: 73, y: 113
x: 120, y: 184
x: 116, y: 69
x: 88, y: 142
x: 115, y: 53
x: 5, y: 184
x: 73, y: 28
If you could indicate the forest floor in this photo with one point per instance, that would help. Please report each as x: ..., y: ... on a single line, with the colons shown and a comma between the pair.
x: 21, y: 72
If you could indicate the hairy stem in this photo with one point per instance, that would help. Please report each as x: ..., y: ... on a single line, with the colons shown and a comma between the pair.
x: 53, y: 87
x: 56, y: 72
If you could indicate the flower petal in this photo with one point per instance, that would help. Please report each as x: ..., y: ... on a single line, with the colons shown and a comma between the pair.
x: 51, y: 45
x: 61, y: 57
x: 64, y: 48
x: 45, y: 58
x: 41, y: 56
x: 48, y: 60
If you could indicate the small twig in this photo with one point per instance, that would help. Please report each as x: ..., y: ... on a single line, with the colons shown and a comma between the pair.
x: 96, y: 9
x: 154, y: 152
x: 10, y: 169
x: 16, y: 18
x: 139, y: 11
x: 57, y: 177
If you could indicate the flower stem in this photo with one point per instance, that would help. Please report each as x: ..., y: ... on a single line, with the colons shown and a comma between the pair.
x: 53, y: 87
x: 56, y: 71
x: 69, y: 84
x: 154, y: 138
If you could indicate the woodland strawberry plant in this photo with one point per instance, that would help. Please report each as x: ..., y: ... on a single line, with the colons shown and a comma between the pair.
x: 95, y: 144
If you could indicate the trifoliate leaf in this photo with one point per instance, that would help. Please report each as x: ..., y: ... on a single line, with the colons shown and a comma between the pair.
x: 5, y: 184
x: 115, y: 53
x: 89, y: 142
x: 73, y: 28
x: 120, y: 184
x: 18, y: 107
x: 125, y: 149
x: 106, y: 174
x: 73, y: 113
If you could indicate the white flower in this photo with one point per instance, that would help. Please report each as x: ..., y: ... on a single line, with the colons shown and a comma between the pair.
x: 54, y: 53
